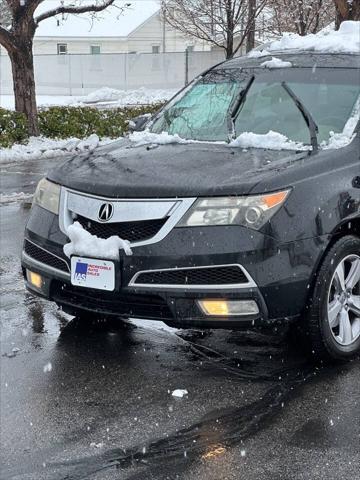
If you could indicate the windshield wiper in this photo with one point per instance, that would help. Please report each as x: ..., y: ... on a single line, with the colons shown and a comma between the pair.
x: 234, y: 112
x: 310, y: 122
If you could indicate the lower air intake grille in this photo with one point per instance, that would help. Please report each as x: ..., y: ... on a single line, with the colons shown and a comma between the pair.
x: 111, y: 303
x: 228, y: 275
x: 45, y: 257
x: 132, y: 231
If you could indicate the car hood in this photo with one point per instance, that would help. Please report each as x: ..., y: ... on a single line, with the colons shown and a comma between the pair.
x: 122, y: 170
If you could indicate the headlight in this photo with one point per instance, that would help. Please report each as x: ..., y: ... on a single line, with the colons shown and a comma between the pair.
x: 47, y: 196
x: 252, y: 212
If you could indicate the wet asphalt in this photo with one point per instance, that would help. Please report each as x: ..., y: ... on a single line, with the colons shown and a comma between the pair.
x: 93, y: 401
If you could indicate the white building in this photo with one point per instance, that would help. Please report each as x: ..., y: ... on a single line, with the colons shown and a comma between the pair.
x: 139, y: 29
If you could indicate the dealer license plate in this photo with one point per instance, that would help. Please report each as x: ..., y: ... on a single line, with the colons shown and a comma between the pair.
x: 91, y: 273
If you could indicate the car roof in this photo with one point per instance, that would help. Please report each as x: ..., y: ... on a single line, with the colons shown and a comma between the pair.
x: 298, y: 59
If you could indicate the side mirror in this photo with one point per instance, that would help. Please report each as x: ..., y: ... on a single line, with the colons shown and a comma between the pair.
x: 138, y: 123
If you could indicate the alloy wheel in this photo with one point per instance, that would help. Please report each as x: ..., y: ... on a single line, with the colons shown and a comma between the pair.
x: 344, y: 301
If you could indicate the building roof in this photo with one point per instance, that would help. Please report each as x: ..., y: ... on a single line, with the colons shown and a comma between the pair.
x: 109, y: 23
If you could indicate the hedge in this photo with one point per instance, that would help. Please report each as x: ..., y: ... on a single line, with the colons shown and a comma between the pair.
x: 65, y: 122
x: 13, y: 128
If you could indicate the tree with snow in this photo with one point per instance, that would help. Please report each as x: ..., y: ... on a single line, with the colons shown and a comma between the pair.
x: 226, y: 24
x: 5, y: 14
x: 347, y: 10
x: 301, y: 17
x: 18, y: 24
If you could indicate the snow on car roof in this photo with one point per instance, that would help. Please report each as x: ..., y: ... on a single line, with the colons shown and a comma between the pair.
x: 327, y: 48
x: 109, y: 23
x: 345, y: 40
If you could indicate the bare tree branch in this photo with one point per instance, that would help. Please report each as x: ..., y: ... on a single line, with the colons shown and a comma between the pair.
x: 301, y: 17
x: 222, y: 23
x: 93, y: 8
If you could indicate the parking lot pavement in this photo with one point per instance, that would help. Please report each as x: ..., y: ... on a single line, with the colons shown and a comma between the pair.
x: 94, y: 401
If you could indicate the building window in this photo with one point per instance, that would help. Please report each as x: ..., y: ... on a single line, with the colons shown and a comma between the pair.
x: 95, y: 49
x: 62, y: 48
x: 156, y: 49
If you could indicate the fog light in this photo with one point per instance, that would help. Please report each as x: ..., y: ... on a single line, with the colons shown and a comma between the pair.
x: 226, y: 308
x: 34, y: 278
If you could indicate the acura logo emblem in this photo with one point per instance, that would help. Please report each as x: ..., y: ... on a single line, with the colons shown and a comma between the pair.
x: 106, y: 211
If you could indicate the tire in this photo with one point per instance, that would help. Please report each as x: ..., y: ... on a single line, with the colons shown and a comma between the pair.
x: 333, y: 317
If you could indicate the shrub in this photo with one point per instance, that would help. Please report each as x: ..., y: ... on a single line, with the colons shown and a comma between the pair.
x: 65, y: 122
x: 13, y: 128
x: 80, y: 122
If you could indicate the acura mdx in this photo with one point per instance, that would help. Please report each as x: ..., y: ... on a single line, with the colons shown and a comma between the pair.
x: 237, y: 205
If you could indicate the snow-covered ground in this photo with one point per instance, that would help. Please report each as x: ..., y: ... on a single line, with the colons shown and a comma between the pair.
x: 105, y: 96
x: 41, y: 147
x: 15, y: 197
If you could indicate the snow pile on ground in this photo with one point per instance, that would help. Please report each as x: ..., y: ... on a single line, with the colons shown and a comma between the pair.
x: 15, y: 197
x: 345, y: 40
x: 84, y: 244
x: 142, y: 96
x: 148, y: 138
x: 271, y: 140
x: 276, y: 63
x: 42, y: 147
x: 105, y: 96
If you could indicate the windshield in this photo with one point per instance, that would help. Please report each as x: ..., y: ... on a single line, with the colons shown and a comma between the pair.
x: 202, y: 113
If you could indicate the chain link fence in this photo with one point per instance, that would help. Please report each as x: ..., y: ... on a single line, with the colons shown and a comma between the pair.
x: 82, y: 74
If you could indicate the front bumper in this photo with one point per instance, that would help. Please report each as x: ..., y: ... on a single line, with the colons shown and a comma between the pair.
x: 278, y: 275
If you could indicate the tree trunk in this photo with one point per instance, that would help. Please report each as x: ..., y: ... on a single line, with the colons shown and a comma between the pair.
x: 346, y: 11
x: 250, y: 40
x: 230, y: 45
x: 22, y: 63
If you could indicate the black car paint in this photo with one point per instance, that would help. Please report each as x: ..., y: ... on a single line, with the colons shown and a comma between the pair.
x: 282, y: 257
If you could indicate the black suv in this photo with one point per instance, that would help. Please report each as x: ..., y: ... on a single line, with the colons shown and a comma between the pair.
x: 239, y: 204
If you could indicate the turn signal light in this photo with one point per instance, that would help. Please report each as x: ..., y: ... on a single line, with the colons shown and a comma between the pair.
x: 226, y: 308
x: 34, y: 278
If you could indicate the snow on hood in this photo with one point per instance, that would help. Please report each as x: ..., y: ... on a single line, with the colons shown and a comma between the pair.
x: 271, y: 140
x: 148, y: 138
x: 345, y: 40
x: 84, y: 244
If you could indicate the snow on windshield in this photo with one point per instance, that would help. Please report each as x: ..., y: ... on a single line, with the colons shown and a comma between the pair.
x: 271, y: 140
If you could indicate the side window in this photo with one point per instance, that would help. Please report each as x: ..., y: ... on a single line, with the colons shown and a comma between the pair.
x: 95, y: 49
x: 62, y: 49
x: 155, y: 58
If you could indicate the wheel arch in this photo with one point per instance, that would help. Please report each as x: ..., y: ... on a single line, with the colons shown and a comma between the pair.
x: 350, y: 227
